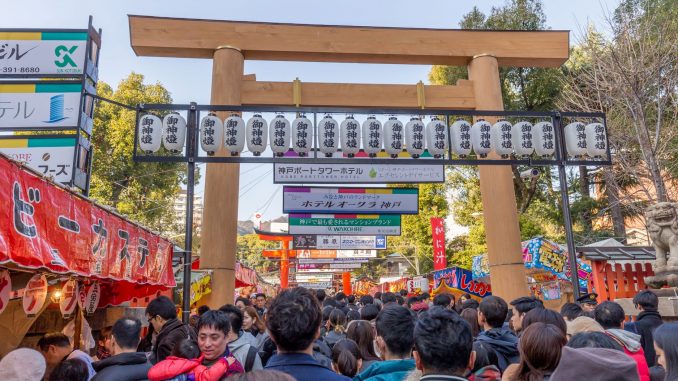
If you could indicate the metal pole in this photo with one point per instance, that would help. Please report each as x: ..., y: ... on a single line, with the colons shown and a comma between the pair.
x: 188, y: 238
x: 567, y: 219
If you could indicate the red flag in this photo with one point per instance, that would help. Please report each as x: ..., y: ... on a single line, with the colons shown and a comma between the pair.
x: 438, y: 234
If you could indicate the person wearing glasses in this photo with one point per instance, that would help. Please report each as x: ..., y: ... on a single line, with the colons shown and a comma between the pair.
x: 162, y: 315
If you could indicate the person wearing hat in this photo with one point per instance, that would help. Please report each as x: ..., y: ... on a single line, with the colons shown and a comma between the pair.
x: 588, y: 302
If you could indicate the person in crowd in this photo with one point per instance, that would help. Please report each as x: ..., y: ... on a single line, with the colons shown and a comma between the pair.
x: 351, y: 302
x: 647, y: 321
x: 588, y: 302
x: 491, y: 315
x: 400, y: 300
x: 125, y: 364
x: 242, y: 345
x: 412, y: 300
x: 70, y: 370
x: 340, y: 297
x: 346, y: 359
x: 465, y: 297
x: 56, y: 347
x: 193, y: 321
x: 594, y: 364
x: 388, y: 298
x: 486, y: 364
x: 582, y: 324
x: 610, y: 316
x: 471, y: 317
x: 395, y: 338
x: 403, y: 293
x: 369, y: 312
x: 420, y: 305
x: 362, y: 332
x: 331, y: 302
x: 541, y: 345
x: 23, y: 364
x: 366, y: 299
x: 254, y: 324
x: 444, y: 300
x: 202, y: 309
x: 260, y: 304
x: 215, y: 362
x: 469, y: 303
x: 520, y: 307
x: 103, y: 348
x: 262, y: 375
x: 570, y: 311
x: 377, y: 295
x: 544, y: 315
x: 242, y: 302
x: 336, y: 328
x: 666, y: 348
x: 320, y: 295
x: 352, y: 315
x: 147, y: 342
x: 443, y: 346
x: 593, y: 340
x: 162, y: 314
x: 293, y: 322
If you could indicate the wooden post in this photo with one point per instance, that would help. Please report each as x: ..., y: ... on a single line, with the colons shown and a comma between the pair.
x: 77, y: 328
x: 346, y: 282
x: 220, y: 219
x: 500, y: 214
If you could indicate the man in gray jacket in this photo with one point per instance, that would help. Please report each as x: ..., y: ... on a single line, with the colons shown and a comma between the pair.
x: 242, y: 345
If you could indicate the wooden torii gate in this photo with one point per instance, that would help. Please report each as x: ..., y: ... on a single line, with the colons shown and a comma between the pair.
x: 230, y: 43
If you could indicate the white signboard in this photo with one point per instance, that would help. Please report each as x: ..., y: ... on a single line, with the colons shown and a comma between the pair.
x: 350, y: 200
x: 332, y: 260
x: 316, y: 285
x: 417, y: 285
x: 335, y: 224
x: 49, y: 156
x: 357, y: 173
x: 69, y: 298
x: 356, y: 253
x: 35, y: 295
x: 39, y: 105
x: 337, y: 242
x: 42, y: 52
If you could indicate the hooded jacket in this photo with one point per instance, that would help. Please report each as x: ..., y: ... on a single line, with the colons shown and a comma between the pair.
x: 631, y: 344
x: 488, y: 373
x: 645, y: 325
x: 505, y: 344
x: 389, y: 370
x: 179, y: 369
x: 123, y: 367
x: 171, y: 334
x: 240, y: 347
x: 594, y: 364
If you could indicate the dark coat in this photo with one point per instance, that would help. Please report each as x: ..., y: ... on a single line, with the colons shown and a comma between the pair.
x: 645, y: 324
x: 303, y: 368
x: 504, y: 343
x: 171, y: 334
x: 123, y: 367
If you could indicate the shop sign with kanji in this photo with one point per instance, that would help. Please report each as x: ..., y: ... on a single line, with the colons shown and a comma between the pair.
x: 350, y: 200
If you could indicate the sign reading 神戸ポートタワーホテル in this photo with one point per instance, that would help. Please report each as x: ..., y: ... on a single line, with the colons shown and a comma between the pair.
x: 43, y: 53
x: 350, y: 200
x: 41, y: 105
x: 344, y: 224
x: 48, y: 155
x: 357, y: 173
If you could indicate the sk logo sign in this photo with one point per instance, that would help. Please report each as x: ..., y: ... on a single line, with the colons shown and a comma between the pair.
x: 66, y: 59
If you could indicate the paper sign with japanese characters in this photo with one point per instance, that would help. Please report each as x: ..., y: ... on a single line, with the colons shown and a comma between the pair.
x: 51, y: 156
x: 37, y: 52
x: 357, y: 173
x: 39, y: 105
x: 350, y: 200
x: 338, y: 242
x: 344, y: 224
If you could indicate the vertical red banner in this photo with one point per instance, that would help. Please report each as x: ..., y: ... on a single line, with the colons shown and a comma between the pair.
x: 438, y: 234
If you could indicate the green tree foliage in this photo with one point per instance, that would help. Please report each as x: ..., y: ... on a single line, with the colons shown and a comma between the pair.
x: 249, y: 248
x: 144, y: 192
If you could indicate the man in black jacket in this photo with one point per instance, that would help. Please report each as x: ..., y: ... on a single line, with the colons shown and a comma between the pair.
x: 647, y: 321
x: 162, y: 314
x: 126, y: 364
x: 491, y: 316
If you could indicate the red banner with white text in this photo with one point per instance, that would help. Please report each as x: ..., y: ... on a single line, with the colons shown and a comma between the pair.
x: 438, y: 234
x: 43, y: 226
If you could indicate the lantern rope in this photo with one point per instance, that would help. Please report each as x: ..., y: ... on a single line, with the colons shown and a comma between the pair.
x: 296, y: 92
x: 421, y: 95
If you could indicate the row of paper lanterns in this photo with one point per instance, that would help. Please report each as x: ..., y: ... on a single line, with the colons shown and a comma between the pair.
x: 521, y: 139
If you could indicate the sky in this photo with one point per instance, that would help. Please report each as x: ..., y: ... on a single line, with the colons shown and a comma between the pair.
x: 190, y: 79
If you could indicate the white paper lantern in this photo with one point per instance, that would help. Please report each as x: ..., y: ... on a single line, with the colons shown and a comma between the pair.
x: 234, y: 134
x: 393, y: 137
x: 256, y: 134
x: 415, y: 137
x: 372, y: 136
x: 522, y: 139
x: 460, y: 133
x: 501, y: 138
x: 436, y: 137
x: 350, y: 139
x: 173, y: 132
x: 211, y: 133
x: 575, y: 139
x: 328, y: 135
x: 280, y: 135
x: 150, y: 133
x: 302, y: 135
x: 481, y: 137
x: 596, y: 140
x: 544, y: 139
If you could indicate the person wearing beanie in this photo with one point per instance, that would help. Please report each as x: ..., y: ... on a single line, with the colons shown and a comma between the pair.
x: 582, y: 324
x: 22, y: 364
x: 595, y: 364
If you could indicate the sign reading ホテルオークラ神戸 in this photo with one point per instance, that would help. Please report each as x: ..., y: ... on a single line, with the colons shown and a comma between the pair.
x: 45, y: 53
x: 350, y: 200
x: 344, y: 224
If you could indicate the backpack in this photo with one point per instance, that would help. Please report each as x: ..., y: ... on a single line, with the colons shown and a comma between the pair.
x: 251, y: 357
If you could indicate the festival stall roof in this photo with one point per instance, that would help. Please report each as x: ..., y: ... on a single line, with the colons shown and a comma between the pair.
x: 612, y: 250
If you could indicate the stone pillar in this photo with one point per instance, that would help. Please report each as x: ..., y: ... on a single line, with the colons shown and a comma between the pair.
x: 500, y: 213
x: 220, y: 216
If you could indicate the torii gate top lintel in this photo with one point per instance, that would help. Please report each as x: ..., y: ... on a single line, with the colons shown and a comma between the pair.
x: 192, y: 38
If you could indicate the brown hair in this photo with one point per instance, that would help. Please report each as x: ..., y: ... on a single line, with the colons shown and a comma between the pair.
x: 257, y: 322
x: 471, y: 317
x: 362, y: 332
x: 540, y: 348
x: 261, y: 375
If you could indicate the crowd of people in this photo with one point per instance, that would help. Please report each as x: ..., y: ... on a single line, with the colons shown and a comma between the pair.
x: 306, y: 335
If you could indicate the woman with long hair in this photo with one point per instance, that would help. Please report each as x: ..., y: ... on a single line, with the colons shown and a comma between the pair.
x: 251, y: 322
x: 540, y: 348
x: 346, y: 358
x: 362, y: 332
x: 471, y: 317
x: 666, y: 346
x: 337, y: 327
